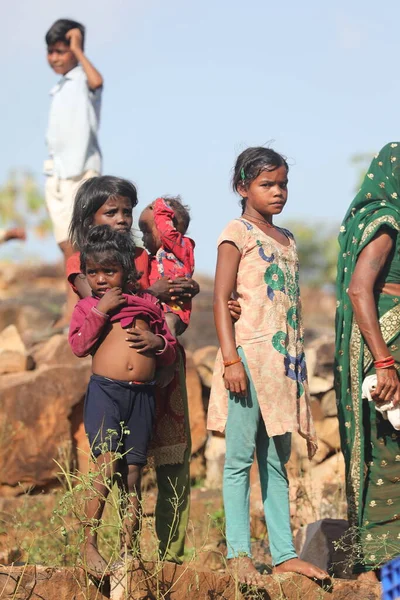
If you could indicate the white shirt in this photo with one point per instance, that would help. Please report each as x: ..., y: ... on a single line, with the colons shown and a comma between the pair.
x: 73, y: 125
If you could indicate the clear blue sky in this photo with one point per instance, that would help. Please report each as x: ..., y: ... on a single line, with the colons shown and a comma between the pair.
x: 188, y: 85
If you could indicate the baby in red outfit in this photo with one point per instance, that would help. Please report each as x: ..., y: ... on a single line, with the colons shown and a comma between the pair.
x: 163, y: 225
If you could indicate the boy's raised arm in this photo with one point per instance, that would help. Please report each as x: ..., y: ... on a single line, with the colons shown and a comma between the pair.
x: 172, y: 240
x: 94, y: 78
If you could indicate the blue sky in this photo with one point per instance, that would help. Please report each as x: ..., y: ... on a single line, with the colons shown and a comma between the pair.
x: 188, y: 85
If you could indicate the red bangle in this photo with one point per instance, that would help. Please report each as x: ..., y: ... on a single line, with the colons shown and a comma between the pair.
x: 384, y: 363
x: 383, y: 360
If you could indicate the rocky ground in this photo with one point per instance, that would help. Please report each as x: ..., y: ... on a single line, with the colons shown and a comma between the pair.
x: 42, y: 387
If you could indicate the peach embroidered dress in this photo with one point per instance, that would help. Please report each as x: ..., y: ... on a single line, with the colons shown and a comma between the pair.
x: 269, y: 332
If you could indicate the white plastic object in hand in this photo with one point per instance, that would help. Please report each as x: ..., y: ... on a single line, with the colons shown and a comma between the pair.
x: 392, y: 413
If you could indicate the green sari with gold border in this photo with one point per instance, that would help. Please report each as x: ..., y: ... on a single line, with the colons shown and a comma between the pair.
x: 370, y: 445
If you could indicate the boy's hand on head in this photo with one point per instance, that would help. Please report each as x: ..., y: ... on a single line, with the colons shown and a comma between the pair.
x: 144, y: 341
x: 111, y: 300
x: 17, y: 233
x: 74, y: 37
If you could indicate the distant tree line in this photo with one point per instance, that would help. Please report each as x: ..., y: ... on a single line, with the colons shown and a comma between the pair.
x: 22, y: 203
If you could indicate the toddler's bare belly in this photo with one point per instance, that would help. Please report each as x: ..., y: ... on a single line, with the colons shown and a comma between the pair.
x: 116, y: 360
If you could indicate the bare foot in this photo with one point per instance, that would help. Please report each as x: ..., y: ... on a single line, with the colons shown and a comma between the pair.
x: 126, y: 560
x: 245, y: 571
x: 369, y: 576
x: 94, y: 563
x: 295, y: 565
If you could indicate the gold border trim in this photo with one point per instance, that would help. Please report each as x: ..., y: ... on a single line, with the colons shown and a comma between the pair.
x: 375, y: 224
x: 354, y: 474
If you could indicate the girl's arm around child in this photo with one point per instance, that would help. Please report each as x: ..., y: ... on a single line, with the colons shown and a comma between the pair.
x: 166, y: 355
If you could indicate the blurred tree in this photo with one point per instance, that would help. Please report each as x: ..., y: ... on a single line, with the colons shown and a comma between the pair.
x: 22, y: 204
x: 317, y: 247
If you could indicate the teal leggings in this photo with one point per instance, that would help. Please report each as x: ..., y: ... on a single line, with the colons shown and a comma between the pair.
x: 245, y: 433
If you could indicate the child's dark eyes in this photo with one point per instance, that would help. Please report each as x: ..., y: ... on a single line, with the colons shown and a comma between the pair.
x: 270, y: 184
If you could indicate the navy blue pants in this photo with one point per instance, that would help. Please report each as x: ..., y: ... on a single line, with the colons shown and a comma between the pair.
x: 119, y: 417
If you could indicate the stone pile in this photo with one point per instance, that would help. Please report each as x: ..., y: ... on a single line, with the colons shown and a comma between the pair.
x: 42, y: 388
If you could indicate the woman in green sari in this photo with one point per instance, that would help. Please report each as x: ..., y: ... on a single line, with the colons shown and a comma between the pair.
x: 367, y: 337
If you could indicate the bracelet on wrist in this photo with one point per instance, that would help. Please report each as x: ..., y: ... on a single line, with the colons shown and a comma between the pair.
x: 387, y: 358
x: 384, y: 363
x: 228, y: 363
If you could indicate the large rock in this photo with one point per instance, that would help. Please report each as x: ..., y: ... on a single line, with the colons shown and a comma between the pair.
x: 12, y: 351
x: 28, y: 318
x: 325, y: 358
x: 320, y: 385
x: 328, y: 432
x: 320, y: 357
x: 175, y: 582
x: 319, y: 492
x: 315, y: 543
x: 328, y: 404
x: 48, y: 583
x: 35, y: 412
x: 204, y: 359
x: 215, y: 458
x: 54, y: 351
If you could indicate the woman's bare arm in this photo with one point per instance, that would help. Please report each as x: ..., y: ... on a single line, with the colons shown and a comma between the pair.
x: 361, y: 293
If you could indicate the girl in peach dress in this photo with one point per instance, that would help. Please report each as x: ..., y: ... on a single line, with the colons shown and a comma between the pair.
x: 259, y: 392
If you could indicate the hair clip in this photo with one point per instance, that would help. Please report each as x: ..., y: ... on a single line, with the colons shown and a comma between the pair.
x: 242, y: 175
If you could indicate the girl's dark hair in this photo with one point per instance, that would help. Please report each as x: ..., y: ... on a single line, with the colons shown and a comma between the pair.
x: 60, y: 28
x: 91, y: 196
x: 107, y: 247
x: 251, y: 162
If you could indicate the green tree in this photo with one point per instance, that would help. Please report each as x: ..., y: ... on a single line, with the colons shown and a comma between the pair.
x: 22, y: 203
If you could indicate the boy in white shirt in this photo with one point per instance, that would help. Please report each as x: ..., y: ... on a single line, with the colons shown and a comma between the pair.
x: 74, y: 152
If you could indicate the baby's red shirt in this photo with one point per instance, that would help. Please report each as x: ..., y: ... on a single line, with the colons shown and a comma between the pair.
x: 175, y: 257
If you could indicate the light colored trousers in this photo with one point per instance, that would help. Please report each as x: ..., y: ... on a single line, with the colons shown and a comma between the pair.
x: 246, y: 434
